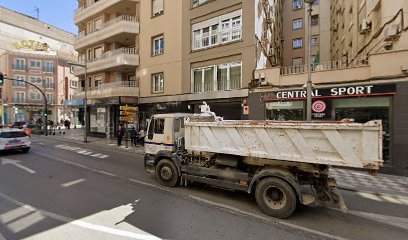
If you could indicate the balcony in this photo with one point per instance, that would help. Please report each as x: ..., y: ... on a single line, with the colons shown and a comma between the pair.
x: 120, y: 30
x: 115, y: 89
x: 111, y: 61
x: 92, y: 8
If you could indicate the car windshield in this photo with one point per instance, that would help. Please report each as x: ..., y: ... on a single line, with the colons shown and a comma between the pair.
x: 16, y: 134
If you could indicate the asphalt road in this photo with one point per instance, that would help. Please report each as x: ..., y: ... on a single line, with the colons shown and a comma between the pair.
x: 68, y: 190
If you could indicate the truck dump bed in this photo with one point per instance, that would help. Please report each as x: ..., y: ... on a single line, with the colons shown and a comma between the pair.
x: 330, y: 143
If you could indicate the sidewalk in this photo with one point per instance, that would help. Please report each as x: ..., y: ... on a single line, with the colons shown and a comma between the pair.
x: 347, y: 179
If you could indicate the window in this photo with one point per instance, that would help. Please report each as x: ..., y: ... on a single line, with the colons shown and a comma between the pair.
x: 297, y: 43
x: 157, y: 7
x: 50, y: 97
x: 97, y: 52
x: 159, y: 125
x: 35, y: 80
x: 315, y: 20
x: 98, y: 24
x: 74, y: 83
x: 217, y: 78
x: 35, y: 95
x: 19, y: 97
x: 176, y: 125
x: 158, y: 45
x: 297, y: 4
x: 197, y: 3
x: 18, y: 83
x: 158, y: 83
x: 218, y: 30
x: 97, y: 80
x: 48, y: 66
x: 297, y: 61
x: 35, y: 63
x: 314, y: 40
x: 89, y: 54
x: 297, y: 24
x: 49, y: 82
x: 19, y: 64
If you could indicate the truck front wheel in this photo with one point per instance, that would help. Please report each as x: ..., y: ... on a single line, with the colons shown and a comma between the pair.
x: 167, y: 173
x: 275, y: 197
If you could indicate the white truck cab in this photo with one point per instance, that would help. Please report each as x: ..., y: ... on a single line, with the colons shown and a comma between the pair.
x: 162, y: 132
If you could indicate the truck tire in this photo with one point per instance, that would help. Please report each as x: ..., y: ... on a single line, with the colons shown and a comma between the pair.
x: 167, y: 173
x: 275, y: 197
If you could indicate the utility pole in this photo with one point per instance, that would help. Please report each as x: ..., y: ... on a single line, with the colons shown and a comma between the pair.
x: 309, y: 70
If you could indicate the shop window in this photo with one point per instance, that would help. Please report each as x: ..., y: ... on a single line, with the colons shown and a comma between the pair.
x: 285, y: 111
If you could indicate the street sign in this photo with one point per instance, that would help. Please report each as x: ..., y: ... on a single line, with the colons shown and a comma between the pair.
x: 129, y: 115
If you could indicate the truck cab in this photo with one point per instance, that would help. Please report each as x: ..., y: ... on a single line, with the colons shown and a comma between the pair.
x: 162, y: 132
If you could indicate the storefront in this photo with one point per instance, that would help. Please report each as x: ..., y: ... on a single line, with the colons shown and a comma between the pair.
x: 360, y: 103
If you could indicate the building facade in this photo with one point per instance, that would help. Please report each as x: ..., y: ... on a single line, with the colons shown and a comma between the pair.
x: 38, y: 53
x: 376, y: 26
x: 375, y: 89
x: 295, y: 32
x: 108, y: 44
x: 195, y: 51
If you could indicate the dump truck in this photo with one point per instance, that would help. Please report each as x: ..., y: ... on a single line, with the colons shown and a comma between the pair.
x: 282, y: 163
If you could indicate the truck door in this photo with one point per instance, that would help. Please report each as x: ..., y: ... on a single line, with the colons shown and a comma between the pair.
x: 155, y: 137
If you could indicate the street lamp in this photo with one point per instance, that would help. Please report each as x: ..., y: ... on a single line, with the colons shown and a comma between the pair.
x: 85, y: 99
x: 309, y: 70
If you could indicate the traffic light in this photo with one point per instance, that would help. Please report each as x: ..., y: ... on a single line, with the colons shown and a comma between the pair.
x: 1, y: 79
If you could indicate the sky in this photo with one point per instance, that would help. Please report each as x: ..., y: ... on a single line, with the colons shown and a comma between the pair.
x: 58, y: 13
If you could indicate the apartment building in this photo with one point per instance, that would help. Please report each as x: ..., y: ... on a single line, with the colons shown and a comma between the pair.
x: 360, y: 28
x: 205, y: 50
x: 108, y: 44
x: 295, y: 32
x: 33, y: 51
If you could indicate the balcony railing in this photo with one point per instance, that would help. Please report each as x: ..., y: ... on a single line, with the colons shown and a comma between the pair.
x: 116, y: 52
x: 114, y: 89
x: 18, y: 100
x: 323, y: 66
x: 122, y: 84
x: 122, y: 18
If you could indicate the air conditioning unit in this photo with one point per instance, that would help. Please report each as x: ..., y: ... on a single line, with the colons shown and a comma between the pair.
x: 262, y: 79
x: 391, y: 32
x: 365, y: 26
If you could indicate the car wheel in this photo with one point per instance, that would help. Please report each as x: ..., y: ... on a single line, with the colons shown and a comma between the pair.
x: 167, y: 173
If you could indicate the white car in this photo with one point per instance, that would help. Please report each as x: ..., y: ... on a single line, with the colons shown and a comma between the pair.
x: 14, y: 139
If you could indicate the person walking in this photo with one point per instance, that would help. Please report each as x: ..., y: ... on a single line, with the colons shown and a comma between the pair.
x: 133, y: 136
x: 121, y: 132
x: 142, y: 135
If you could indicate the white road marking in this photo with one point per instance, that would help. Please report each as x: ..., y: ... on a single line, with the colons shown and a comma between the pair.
x: 16, y: 163
x: 232, y: 209
x: 390, y: 220
x: 148, y: 184
x: 25, y: 222
x: 107, y: 173
x: 68, y: 184
x: 82, y: 151
x: 397, y: 199
x: 81, y: 223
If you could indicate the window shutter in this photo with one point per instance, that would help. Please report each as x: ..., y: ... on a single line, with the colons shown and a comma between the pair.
x: 157, y: 7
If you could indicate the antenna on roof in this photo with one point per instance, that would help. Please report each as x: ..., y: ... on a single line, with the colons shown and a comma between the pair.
x: 37, y: 11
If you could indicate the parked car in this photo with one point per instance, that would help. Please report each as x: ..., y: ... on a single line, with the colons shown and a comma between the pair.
x: 20, y: 124
x: 14, y: 139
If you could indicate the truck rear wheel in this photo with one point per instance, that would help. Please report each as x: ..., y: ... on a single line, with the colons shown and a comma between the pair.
x: 167, y: 173
x: 275, y: 197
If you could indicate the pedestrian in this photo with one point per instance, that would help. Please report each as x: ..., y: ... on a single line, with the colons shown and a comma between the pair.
x: 142, y: 135
x: 121, y: 132
x: 133, y: 136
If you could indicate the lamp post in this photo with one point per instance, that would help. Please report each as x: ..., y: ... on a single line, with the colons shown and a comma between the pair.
x: 309, y: 70
x: 85, y: 98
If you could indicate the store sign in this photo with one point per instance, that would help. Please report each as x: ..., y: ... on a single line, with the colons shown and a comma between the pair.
x: 31, y: 44
x: 364, y: 90
x: 321, y: 109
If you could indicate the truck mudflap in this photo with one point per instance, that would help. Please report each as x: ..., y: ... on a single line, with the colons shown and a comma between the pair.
x: 327, y: 192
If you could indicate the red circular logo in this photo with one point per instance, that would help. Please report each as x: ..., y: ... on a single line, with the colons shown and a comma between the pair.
x: 319, y: 106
